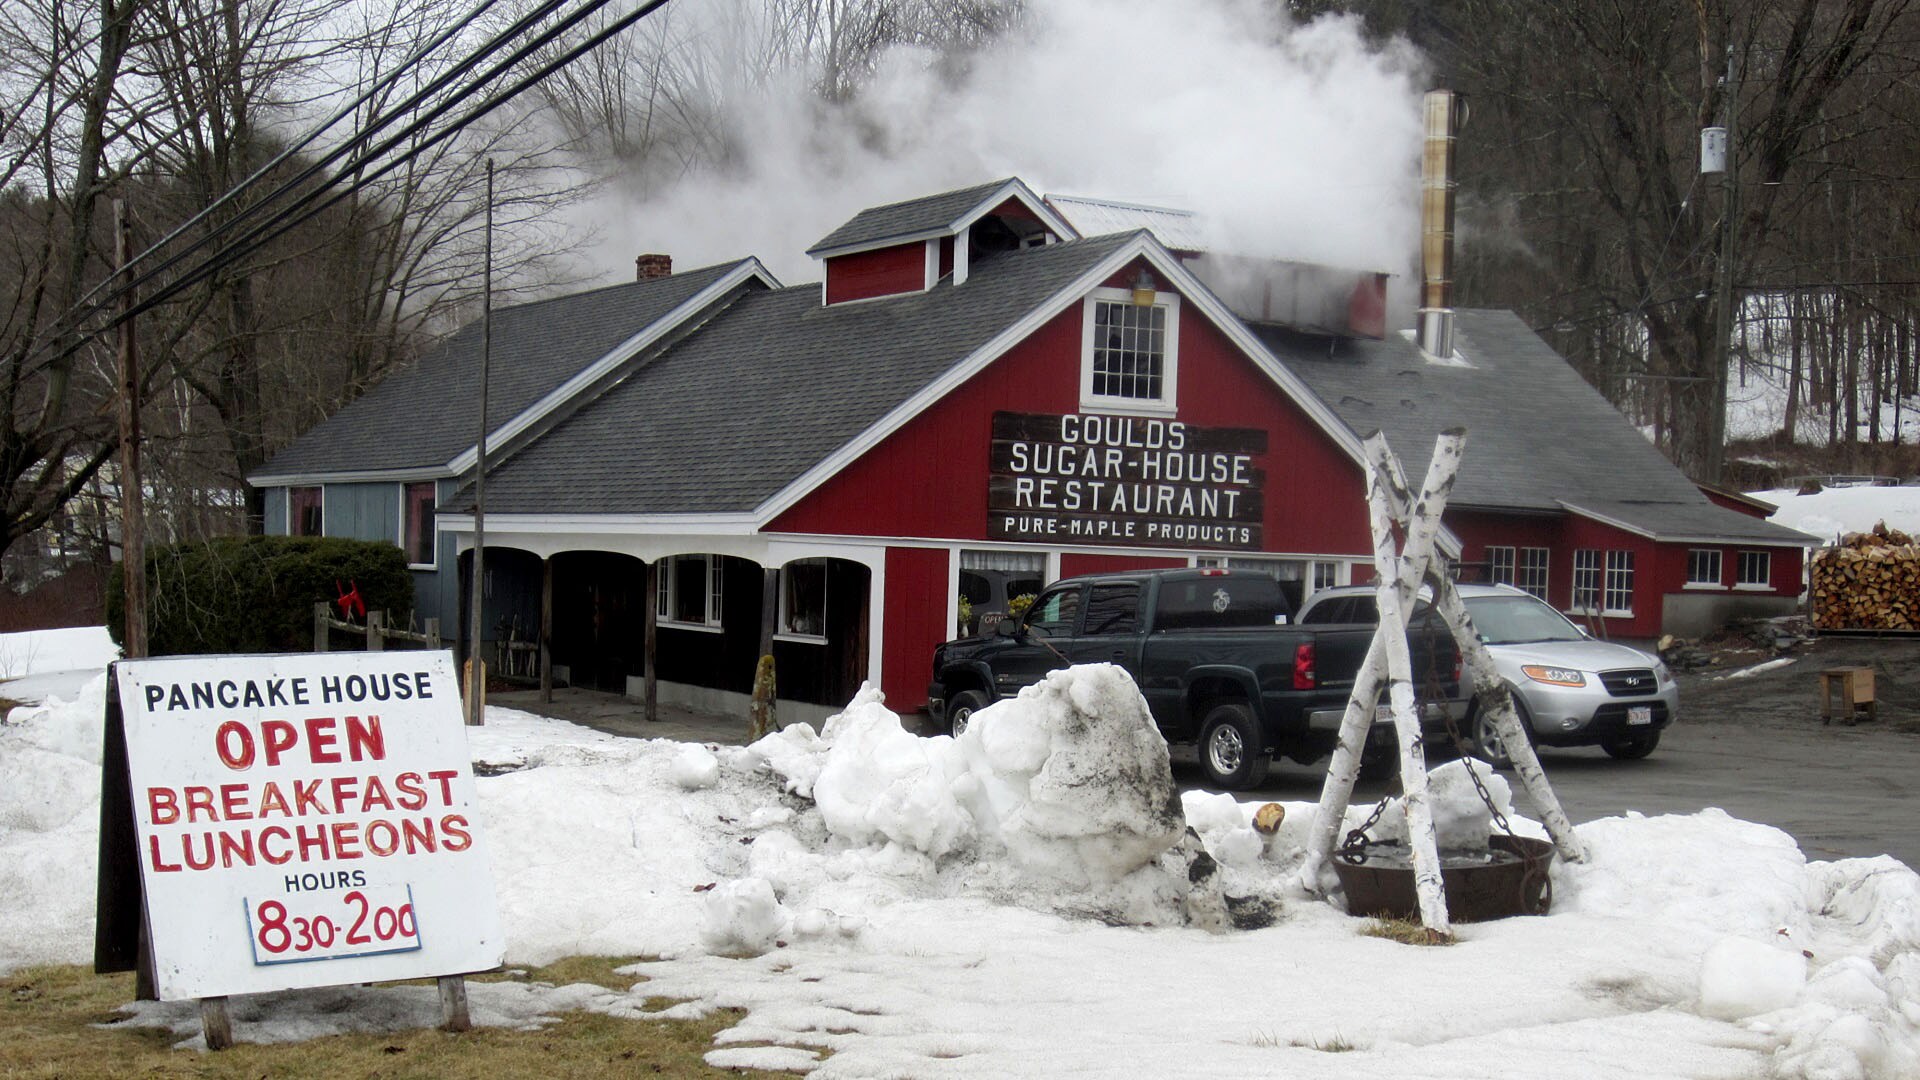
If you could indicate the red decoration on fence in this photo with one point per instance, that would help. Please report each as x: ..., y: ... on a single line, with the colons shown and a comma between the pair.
x: 349, y: 601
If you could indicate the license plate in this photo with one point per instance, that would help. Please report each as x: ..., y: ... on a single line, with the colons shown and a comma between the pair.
x: 1640, y: 714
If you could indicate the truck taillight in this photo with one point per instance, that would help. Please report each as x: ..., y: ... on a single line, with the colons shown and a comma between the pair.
x: 1303, y: 666
x: 1458, y: 670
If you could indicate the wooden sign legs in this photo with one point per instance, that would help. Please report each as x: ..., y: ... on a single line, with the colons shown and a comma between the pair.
x: 217, y: 1024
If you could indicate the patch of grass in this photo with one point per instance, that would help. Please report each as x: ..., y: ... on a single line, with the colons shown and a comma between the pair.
x: 7, y: 705
x: 1406, y: 932
x: 1332, y: 1044
x: 48, y: 1019
x: 597, y: 970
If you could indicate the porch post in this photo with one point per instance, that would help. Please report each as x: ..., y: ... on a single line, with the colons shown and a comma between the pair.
x: 546, y: 630
x: 760, y: 716
x: 651, y: 607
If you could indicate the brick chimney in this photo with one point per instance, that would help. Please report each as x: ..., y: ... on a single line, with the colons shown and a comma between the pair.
x: 648, y: 267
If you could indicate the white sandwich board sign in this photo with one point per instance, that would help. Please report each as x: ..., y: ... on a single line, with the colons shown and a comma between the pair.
x: 305, y: 820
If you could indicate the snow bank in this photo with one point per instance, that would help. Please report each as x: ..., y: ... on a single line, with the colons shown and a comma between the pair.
x: 37, y: 652
x: 1687, y: 946
x: 1830, y: 513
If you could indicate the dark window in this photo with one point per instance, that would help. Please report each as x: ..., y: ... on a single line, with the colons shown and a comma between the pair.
x: 419, y: 523
x: 1113, y: 609
x: 1240, y: 600
x: 1328, y: 612
x: 1056, y: 613
x: 804, y: 601
x: 303, y: 512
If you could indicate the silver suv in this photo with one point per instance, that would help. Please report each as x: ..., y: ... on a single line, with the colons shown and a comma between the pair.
x: 1569, y: 689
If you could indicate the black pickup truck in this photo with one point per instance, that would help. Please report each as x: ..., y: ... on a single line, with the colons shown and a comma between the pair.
x: 1215, y: 655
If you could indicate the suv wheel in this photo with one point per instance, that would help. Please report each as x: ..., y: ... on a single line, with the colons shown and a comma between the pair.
x: 960, y: 710
x: 1231, y: 752
x: 1487, y: 743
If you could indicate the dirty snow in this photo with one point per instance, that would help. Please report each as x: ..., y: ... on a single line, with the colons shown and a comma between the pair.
x: 1025, y: 900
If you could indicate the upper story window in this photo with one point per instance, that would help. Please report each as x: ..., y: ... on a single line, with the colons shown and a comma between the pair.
x: 1131, y: 353
x: 416, y: 504
x: 304, y: 512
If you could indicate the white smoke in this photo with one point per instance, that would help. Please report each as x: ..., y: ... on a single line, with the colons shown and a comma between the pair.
x: 1296, y: 142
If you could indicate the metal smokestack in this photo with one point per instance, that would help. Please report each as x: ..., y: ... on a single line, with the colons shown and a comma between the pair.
x: 1446, y: 113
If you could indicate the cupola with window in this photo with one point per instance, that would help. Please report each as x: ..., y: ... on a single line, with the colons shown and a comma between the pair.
x: 911, y: 246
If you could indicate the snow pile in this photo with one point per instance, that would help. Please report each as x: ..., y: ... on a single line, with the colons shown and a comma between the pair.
x: 1070, y: 780
x: 37, y: 652
x: 1461, y: 818
x: 1687, y: 946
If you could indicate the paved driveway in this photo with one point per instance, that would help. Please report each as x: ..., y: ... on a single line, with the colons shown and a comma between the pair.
x: 1755, y: 747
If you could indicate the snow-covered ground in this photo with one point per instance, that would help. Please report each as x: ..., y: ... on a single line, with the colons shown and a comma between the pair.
x: 1023, y: 901
x: 1839, y: 510
x: 38, y: 663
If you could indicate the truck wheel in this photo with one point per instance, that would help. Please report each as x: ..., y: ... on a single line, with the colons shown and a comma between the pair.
x: 1231, y: 752
x: 960, y: 710
x: 1631, y: 747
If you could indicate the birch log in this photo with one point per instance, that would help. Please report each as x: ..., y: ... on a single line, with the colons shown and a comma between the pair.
x: 1497, y: 700
x: 1337, y: 790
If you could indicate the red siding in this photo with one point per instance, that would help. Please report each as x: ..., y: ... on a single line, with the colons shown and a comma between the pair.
x: 1649, y: 586
x: 929, y: 478
x: 1072, y: 565
x: 916, y: 605
x: 1731, y: 502
x: 881, y: 272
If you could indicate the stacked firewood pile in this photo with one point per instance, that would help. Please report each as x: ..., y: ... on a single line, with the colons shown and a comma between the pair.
x: 1869, y: 581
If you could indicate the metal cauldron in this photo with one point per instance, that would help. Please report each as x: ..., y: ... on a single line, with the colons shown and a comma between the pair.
x: 1508, y: 879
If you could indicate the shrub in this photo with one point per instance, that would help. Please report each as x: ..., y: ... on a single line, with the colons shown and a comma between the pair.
x: 242, y: 594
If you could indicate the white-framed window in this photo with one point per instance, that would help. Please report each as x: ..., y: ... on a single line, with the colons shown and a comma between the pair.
x: 1586, y: 580
x: 1756, y: 570
x: 803, y: 599
x: 1530, y: 574
x: 416, y: 524
x: 1130, y: 352
x: 306, y: 511
x: 688, y: 590
x: 1619, y: 588
x: 1500, y: 565
x: 1325, y: 575
x: 1703, y: 568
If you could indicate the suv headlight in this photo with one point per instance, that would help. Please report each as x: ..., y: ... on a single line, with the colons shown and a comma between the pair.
x: 1557, y: 676
x: 1661, y: 672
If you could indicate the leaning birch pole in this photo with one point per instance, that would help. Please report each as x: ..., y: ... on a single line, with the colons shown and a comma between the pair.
x: 1337, y: 791
x: 1497, y: 700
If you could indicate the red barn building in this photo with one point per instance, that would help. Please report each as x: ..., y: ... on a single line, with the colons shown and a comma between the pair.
x: 975, y: 391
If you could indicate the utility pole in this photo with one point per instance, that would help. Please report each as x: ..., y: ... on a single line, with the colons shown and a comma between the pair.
x: 133, y: 542
x: 1724, y: 306
x: 476, y: 666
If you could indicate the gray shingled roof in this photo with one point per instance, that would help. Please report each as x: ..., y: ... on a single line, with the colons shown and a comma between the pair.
x: 426, y: 414
x: 729, y: 417
x: 907, y: 218
x: 1538, y: 436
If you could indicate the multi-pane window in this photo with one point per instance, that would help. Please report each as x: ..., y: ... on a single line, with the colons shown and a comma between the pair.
x: 303, y: 512
x: 1586, y: 580
x: 1129, y: 350
x: 1703, y: 566
x: 1325, y: 575
x: 1500, y: 565
x: 1756, y: 568
x: 1619, y: 590
x: 1531, y: 574
x: 417, y: 522
x: 803, y: 598
x: 688, y: 590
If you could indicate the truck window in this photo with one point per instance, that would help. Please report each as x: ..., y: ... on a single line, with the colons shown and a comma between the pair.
x: 1328, y: 612
x: 1113, y: 609
x: 1249, y: 600
x: 1056, y: 613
